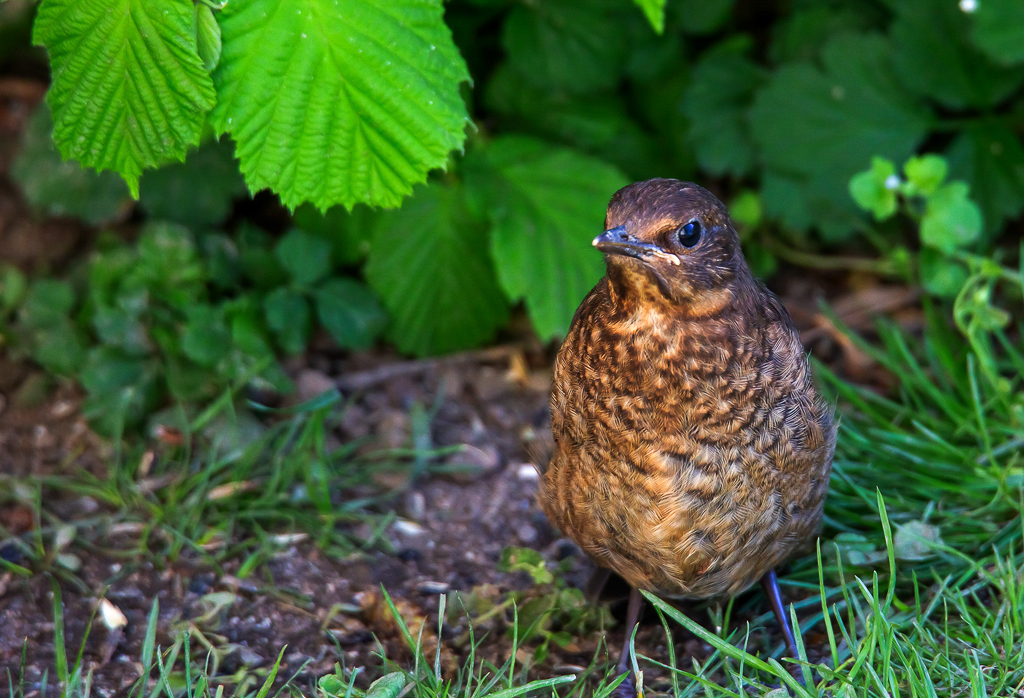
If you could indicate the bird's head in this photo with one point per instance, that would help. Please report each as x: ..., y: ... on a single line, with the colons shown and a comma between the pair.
x: 671, y: 240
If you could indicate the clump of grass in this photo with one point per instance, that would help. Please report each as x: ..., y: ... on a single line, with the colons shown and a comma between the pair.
x: 232, y: 488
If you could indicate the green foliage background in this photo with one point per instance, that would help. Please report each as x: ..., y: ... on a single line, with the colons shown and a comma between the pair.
x: 458, y: 157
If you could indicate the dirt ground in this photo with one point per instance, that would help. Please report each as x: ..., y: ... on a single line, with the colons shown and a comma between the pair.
x: 449, y: 532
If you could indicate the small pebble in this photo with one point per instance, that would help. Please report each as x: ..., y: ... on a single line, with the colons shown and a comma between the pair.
x: 527, y: 472
x: 429, y: 587
x: 527, y: 534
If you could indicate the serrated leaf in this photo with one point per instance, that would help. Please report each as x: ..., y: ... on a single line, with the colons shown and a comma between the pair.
x: 716, y: 103
x: 565, y: 44
x: 306, y: 257
x: 430, y: 265
x: 208, y: 43
x: 350, y: 312
x: 872, y: 191
x: 988, y: 154
x: 198, y: 192
x: 925, y: 173
x: 815, y: 127
x: 128, y: 88
x: 951, y: 220
x: 933, y: 56
x: 545, y: 204
x: 996, y: 30
x: 288, y: 316
x: 63, y: 187
x: 339, y: 104
x: 654, y: 10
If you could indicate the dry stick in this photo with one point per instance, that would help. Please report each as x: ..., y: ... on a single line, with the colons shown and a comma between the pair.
x: 365, y: 379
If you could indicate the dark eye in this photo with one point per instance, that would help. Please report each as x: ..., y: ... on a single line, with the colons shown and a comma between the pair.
x: 690, y: 234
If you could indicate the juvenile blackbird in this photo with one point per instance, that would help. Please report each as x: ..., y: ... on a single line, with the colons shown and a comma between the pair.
x: 692, y: 452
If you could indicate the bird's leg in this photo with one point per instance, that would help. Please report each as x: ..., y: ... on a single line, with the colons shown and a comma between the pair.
x: 770, y: 584
x: 627, y: 689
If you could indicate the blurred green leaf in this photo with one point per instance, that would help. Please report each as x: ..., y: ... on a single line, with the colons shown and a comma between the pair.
x: 925, y: 174
x: 874, y: 190
x: 703, y: 16
x: 121, y: 325
x: 565, y: 44
x: 853, y: 107
x: 129, y: 90
x: 996, y: 30
x: 287, y: 313
x: 339, y: 107
x: 348, y: 232
x: 350, y: 312
x: 121, y: 389
x: 916, y: 540
x: 528, y: 560
x: 13, y: 286
x: 941, y: 275
x: 257, y: 259
x: 65, y: 188
x: 168, y: 264
x: 951, y: 220
x: 206, y: 339
x: 306, y: 257
x: 387, y: 686
x: 988, y: 155
x: 198, y: 192
x: 801, y: 35
x: 654, y: 10
x: 932, y: 55
x: 746, y: 208
x: 50, y: 335
x: 716, y: 103
x: 545, y: 204
x: 429, y: 264
x: 207, y: 37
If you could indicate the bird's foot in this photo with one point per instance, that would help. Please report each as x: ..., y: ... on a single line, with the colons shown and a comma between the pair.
x: 626, y: 689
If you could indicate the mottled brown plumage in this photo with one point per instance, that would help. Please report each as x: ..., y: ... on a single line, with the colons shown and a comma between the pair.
x: 692, y: 451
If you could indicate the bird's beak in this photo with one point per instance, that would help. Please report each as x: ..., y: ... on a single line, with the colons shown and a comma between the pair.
x: 618, y: 241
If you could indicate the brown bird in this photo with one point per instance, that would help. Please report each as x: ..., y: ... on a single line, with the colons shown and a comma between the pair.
x: 692, y: 452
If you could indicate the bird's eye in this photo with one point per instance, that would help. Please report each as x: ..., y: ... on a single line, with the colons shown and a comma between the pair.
x: 689, y: 235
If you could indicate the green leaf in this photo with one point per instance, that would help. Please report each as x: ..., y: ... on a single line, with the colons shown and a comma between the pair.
x: 703, y: 16
x: 306, y: 257
x: 916, y: 540
x: 206, y: 339
x: 347, y: 231
x: 121, y: 389
x: 941, y: 275
x: 429, y: 264
x: 198, y: 192
x: 875, y: 189
x: 63, y: 187
x: 654, y: 10
x: 387, y: 686
x: 350, y: 312
x: 566, y: 44
x: 528, y: 560
x: 546, y: 204
x: 287, y: 314
x: 951, y: 220
x: 801, y: 36
x: 43, y: 320
x: 925, y: 173
x: 596, y: 123
x: 996, y: 30
x: 208, y: 42
x: 168, y: 265
x: 716, y: 103
x: 933, y: 56
x: 258, y: 262
x: 747, y: 209
x: 128, y: 89
x: 339, y: 104
x: 988, y: 154
x: 121, y: 325
x: 852, y: 108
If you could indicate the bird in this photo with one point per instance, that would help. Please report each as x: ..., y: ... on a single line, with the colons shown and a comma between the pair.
x: 692, y: 451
